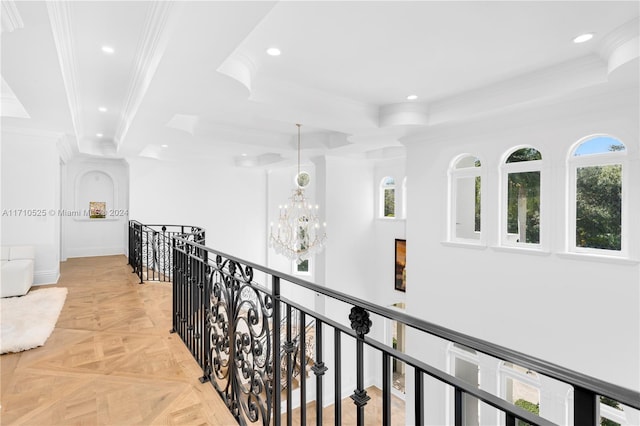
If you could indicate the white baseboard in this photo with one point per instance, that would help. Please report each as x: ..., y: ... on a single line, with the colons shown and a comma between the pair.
x: 50, y: 276
x: 93, y: 251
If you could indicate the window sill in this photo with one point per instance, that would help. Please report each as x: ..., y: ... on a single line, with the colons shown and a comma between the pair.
x: 464, y: 244
x: 521, y: 250
x: 106, y: 219
x: 392, y: 219
x: 590, y: 257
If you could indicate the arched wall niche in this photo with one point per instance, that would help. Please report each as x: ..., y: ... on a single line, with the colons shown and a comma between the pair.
x: 95, y: 185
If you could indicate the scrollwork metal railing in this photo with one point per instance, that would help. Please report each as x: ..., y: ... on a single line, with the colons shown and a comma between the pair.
x: 243, y: 334
x: 150, y: 248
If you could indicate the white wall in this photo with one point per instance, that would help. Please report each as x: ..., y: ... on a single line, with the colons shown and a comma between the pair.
x: 93, y: 179
x: 229, y: 202
x: 386, y: 232
x: 578, y: 312
x: 31, y: 198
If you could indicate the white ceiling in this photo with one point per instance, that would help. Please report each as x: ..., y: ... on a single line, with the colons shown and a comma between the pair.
x: 195, y: 76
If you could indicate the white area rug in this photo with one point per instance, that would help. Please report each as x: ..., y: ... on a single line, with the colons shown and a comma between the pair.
x: 27, y: 321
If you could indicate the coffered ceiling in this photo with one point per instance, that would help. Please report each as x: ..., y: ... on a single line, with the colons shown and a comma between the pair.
x: 187, y: 79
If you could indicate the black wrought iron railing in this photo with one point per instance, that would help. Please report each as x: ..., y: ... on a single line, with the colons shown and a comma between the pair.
x: 233, y: 323
x: 150, y: 248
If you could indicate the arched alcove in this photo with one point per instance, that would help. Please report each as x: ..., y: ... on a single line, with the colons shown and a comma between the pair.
x: 95, y: 185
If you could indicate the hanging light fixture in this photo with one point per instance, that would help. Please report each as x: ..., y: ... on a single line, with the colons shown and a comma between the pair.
x: 298, y: 234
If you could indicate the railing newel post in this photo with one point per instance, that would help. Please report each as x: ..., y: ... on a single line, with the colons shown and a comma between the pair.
x: 361, y: 324
x: 276, y: 386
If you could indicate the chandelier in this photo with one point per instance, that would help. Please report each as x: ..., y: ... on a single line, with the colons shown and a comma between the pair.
x: 298, y: 234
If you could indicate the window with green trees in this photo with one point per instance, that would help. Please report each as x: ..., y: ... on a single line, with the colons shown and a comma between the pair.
x: 523, y: 183
x: 388, y: 197
x: 597, y: 167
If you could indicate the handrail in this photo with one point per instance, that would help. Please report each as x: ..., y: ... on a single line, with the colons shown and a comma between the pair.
x: 621, y: 394
x: 150, y: 249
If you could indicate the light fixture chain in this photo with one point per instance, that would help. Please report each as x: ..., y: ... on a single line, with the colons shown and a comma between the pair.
x: 298, y: 150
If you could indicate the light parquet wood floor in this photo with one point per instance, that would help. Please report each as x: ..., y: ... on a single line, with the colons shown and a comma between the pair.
x: 110, y: 359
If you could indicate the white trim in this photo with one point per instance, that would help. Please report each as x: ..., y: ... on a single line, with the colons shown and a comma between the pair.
x: 61, y: 25
x: 527, y: 249
x: 11, y: 19
x: 472, y: 244
x: 522, y: 167
x: 590, y: 257
x: 573, y: 163
x: 48, y: 276
x: 453, y: 175
x: 382, y: 188
x: 155, y: 35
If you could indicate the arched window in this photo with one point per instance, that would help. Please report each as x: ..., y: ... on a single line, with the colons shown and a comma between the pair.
x: 596, y: 213
x: 388, y: 197
x: 465, y: 199
x: 521, y: 215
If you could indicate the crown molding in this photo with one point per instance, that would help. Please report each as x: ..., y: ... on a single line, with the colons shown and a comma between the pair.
x: 11, y: 19
x: 60, y: 18
x: 578, y: 107
x: 151, y: 47
x: 616, y: 38
x: 620, y: 45
x: 38, y: 133
x: 67, y: 148
x: 548, y: 83
x: 240, y: 67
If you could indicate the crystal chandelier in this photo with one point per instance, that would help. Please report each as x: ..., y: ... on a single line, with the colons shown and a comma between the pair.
x: 298, y: 234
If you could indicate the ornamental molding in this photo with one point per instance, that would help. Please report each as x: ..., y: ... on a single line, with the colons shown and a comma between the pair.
x: 618, y: 37
x: 155, y: 35
x: 11, y: 19
x: 548, y: 83
x: 60, y: 18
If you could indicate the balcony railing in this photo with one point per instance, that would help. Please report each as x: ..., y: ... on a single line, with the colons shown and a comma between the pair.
x: 150, y: 248
x: 233, y: 317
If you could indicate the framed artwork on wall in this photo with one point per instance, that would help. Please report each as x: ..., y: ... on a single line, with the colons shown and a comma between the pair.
x: 97, y: 209
x: 400, y: 265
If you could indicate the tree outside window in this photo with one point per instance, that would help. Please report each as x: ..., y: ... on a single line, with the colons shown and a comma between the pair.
x: 388, y: 187
x: 598, y: 193
x: 523, y: 195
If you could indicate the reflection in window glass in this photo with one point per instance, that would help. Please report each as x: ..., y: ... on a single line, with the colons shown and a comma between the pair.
x: 388, y: 187
x: 468, y: 207
x: 523, y: 206
x: 599, y: 207
x: 303, y: 266
x: 466, y: 198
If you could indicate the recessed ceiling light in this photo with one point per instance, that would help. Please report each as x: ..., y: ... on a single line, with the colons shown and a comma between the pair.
x: 102, y: 109
x: 108, y: 49
x: 164, y: 145
x: 243, y: 155
x: 273, y: 51
x: 412, y: 97
x: 583, y: 37
x: 99, y: 135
